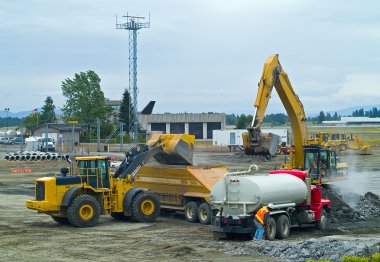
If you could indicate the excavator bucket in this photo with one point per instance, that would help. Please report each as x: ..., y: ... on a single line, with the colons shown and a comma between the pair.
x: 265, y: 144
x: 178, y: 149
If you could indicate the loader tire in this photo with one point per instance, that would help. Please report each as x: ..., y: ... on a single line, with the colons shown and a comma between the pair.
x: 191, y: 212
x: 270, y: 230
x: 119, y: 216
x: 204, y: 214
x: 145, y: 207
x: 321, y: 224
x: 84, y: 211
x: 61, y: 220
x: 282, y: 227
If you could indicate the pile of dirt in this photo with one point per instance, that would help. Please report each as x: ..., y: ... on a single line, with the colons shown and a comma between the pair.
x: 322, y: 248
x: 351, y: 207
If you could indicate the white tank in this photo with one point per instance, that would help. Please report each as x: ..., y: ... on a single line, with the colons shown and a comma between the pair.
x: 245, y: 194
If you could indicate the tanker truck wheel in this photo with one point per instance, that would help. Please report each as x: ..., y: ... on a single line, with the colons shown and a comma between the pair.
x: 204, y: 213
x: 321, y: 224
x: 191, y: 212
x: 145, y: 207
x: 270, y: 230
x: 282, y: 227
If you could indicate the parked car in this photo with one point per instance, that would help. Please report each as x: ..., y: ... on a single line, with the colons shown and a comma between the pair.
x: 6, y: 141
x: 18, y: 140
x: 42, y: 144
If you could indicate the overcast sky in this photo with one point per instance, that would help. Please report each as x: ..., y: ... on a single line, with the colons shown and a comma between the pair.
x: 198, y: 56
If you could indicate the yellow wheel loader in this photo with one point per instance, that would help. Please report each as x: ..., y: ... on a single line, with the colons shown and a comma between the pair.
x: 79, y: 195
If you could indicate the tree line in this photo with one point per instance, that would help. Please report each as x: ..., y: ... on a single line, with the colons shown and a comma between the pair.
x: 372, y: 113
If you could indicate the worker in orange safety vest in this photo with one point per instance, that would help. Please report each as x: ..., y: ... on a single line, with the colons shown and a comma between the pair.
x: 261, y: 220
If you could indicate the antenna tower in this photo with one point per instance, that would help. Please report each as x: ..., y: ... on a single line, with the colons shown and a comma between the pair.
x: 133, y: 24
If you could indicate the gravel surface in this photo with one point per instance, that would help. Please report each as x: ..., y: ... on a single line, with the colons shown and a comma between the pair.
x: 321, y: 248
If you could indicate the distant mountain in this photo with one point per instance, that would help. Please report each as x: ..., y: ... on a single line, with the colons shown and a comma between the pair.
x: 23, y: 114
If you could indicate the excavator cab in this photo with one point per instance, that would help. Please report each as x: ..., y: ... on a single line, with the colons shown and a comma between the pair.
x: 320, y: 161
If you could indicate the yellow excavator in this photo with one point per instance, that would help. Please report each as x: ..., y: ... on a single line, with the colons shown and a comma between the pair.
x: 78, y: 196
x: 319, y: 159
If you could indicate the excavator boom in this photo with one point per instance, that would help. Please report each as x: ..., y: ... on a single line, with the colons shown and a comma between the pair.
x: 273, y: 75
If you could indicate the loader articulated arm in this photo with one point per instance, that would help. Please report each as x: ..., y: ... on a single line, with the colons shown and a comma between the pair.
x: 168, y: 149
x: 274, y: 76
x: 135, y: 158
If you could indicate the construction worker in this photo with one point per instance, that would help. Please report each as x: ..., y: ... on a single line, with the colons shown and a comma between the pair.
x: 261, y: 220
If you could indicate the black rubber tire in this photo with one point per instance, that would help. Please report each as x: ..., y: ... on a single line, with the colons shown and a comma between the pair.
x: 145, y: 207
x: 191, y: 212
x: 321, y: 224
x: 61, y: 220
x: 204, y: 214
x: 282, y: 227
x: 270, y: 229
x: 119, y: 216
x: 77, y: 212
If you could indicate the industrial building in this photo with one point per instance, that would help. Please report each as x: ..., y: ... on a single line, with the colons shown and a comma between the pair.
x: 61, y: 133
x: 200, y: 125
x: 351, y: 121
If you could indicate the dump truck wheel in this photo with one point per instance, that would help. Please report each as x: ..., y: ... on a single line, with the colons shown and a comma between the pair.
x: 84, y: 211
x: 191, y: 212
x: 204, y: 213
x: 270, y: 230
x: 282, y: 227
x: 145, y: 207
x: 61, y: 220
x: 321, y: 224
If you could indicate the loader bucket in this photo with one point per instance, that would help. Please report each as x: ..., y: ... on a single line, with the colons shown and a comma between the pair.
x: 266, y: 144
x: 177, y: 148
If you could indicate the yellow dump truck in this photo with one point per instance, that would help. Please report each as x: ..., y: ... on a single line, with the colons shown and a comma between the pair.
x: 179, y: 185
x: 182, y: 188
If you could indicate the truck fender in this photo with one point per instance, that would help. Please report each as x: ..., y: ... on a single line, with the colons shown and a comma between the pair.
x: 127, y: 200
x: 69, y: 195
x: 275, y: 213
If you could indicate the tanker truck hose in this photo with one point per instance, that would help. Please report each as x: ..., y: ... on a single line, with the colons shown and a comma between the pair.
x: 247, y: 172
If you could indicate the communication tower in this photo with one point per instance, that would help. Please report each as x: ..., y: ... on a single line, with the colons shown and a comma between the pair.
x: 133, y: 24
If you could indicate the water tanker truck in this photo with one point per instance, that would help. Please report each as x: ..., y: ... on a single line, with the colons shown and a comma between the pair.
x: 291, y: 199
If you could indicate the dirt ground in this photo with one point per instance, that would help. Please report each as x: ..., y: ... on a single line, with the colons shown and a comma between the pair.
x: 29, y: 236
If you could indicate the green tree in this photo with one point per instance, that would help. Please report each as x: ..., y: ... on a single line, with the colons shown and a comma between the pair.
x: 31, y: 120
x: 321, y: 117
x: 126, y: 112
x: 85, y: 99
x: 48, y: 114
x: 243, y: 121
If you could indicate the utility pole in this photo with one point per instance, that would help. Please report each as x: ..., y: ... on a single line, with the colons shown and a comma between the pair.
x: 7, y: 110
x: 132, y: 25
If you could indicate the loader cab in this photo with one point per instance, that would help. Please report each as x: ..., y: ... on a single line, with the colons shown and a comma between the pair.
x: 320, y: 161
x: 94, y: 171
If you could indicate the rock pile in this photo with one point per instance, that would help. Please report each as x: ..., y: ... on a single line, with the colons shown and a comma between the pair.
x: 322, y: 248
x: 351, y: 207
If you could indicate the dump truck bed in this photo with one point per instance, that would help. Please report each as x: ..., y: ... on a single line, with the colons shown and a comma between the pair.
x: 173, y: 184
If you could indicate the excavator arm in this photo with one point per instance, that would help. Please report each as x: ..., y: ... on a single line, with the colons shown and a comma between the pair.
x: 274, y: 76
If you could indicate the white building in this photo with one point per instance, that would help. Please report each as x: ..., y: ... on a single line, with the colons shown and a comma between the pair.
x: 235, y: 137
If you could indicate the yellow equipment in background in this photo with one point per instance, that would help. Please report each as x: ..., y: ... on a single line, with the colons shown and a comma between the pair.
x: 91, y: 190
x: 341, y: 142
